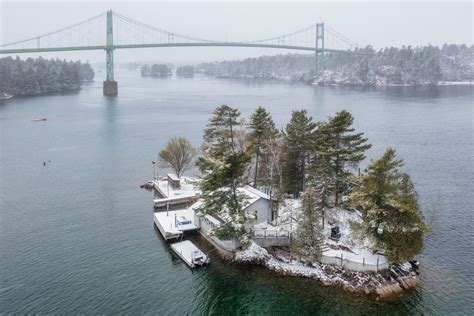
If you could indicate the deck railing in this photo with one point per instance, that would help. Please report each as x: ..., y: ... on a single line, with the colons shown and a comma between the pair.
x: 270, y: 233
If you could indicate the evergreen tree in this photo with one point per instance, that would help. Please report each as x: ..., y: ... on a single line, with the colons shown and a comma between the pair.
x: 224, y: 167
x: 220, y: 133
x: 86, y: 72
x: 297, y: 150
x: 262, y: 129
x: 342, y: 148
x: 308, y: 236
x: 390, y: 211
x: 34, y: 76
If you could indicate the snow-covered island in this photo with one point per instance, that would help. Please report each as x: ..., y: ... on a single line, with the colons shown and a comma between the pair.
x: 391, y: 66
x: 32, y: 77
x: 288, y: 200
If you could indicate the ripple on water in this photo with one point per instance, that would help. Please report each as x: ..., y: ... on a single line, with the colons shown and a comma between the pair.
x: 77, y: 237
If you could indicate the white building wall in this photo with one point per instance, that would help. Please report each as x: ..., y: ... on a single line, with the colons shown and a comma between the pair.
x: 205, y: 225
x: 262, y: 208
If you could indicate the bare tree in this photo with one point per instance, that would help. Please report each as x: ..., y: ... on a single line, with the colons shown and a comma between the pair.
x: 272, y: 161
x: 177, y: 155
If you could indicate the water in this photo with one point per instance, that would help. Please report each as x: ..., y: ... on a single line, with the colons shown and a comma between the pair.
x: 77, y: 235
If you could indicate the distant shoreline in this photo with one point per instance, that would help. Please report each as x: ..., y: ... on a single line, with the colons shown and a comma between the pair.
x: 294, y: 81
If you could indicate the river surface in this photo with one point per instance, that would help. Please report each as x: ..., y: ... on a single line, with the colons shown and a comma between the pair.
x: 77, y: 235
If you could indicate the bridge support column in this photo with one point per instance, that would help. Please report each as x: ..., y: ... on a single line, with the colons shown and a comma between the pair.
x: 110, y: 86
x: 319, y: 52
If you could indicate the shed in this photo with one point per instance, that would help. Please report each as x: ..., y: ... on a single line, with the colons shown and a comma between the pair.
x: 174, y: 180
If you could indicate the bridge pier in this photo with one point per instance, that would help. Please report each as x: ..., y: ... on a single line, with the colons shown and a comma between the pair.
x: 110, y: 88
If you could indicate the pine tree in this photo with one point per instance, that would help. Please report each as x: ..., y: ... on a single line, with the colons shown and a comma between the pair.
x: 342, y: 148
x: 297, y: 150
x: 390, y: 211
x: 262, y: 129
x: 220, y: 133
x: 223, y: 167
x: 308, y: 237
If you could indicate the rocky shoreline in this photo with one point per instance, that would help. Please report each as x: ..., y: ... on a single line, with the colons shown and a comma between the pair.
x: 382, y: 285
x: 331, y: 81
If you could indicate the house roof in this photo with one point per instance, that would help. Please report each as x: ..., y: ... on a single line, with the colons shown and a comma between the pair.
x: 252, y: 194
x: 256, y: 192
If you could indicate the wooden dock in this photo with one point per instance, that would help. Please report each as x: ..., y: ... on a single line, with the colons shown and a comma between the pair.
x: 172, y: 224
x: 171, y: 192
x: 190, y: 254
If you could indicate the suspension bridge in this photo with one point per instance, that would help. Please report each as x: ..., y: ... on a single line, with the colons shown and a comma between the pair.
x: 122, y: 32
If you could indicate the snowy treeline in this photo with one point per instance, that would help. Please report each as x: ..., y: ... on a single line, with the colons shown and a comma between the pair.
x: 185, y: 71
x: 156, y: 71
x: 35, y: 76
x: 426, y: 65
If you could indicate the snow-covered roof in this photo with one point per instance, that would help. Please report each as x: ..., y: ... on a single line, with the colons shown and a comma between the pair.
x: 250, y: 199
x: 256, y: 192
x: 196, y: 205
x: 252, y: 195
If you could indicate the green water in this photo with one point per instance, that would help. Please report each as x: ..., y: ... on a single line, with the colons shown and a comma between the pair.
x: 77, y: 235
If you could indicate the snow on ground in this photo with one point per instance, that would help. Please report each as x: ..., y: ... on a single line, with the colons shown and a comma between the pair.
x: 341, y: 218
x: 359, y: 251
x: 296, y: 268
x: 175, y: 222
x: 188, y: 187
x: 455, y: 83
x: 347, y: 246
x: 253, y: 253
x: 257, y: 254
x: 287, y: 215
x: 380, y: 284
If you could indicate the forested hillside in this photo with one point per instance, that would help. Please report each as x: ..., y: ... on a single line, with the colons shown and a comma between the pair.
x: 427, y: 65
x: 35, y: 76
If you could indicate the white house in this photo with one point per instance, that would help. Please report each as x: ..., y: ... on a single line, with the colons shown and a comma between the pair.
x: 258, y: 205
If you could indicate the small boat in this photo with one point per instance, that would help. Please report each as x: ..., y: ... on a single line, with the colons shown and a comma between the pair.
x: 190, y: 254
x: 39, y: 120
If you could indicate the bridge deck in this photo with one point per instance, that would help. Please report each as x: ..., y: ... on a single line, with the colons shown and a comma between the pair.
x: 213, y: 44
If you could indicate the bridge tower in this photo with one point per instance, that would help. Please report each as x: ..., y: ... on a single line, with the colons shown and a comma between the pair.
x: 110, y: 85
x: 319, y: 53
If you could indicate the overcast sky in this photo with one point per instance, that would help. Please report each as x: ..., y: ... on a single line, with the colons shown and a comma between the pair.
x: 378, y: 23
